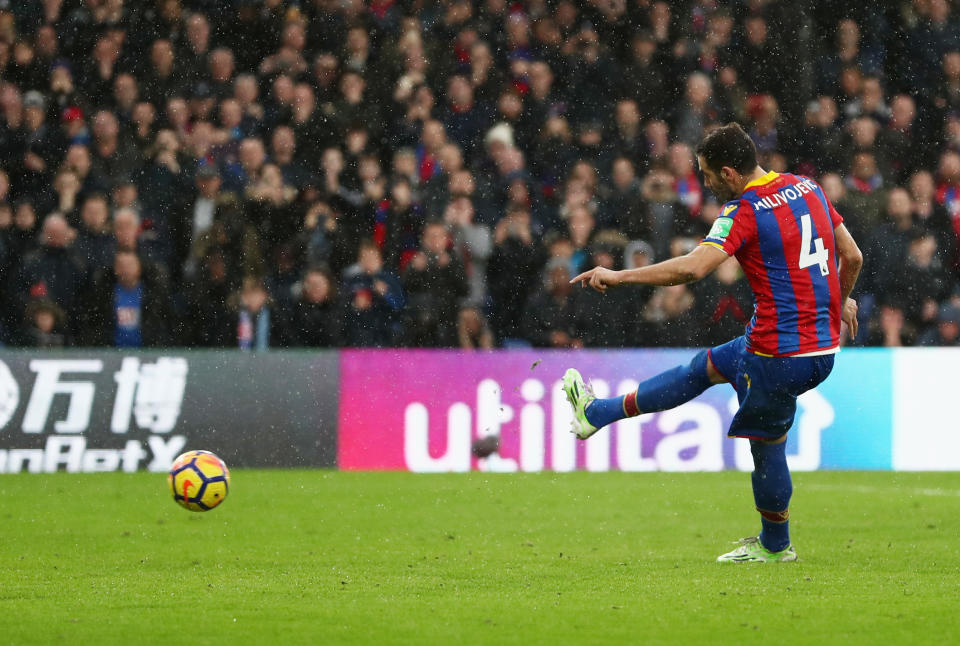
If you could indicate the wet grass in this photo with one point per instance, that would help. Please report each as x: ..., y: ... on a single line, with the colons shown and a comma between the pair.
x: 345, y: 558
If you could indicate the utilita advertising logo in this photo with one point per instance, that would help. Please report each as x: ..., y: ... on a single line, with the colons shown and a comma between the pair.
x: 53, y: 406
x: 423, y: 410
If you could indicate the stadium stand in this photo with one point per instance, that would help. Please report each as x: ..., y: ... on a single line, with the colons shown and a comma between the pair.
x: 273, y: 173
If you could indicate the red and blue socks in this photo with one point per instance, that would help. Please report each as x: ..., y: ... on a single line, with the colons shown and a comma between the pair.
x: 772, y: 488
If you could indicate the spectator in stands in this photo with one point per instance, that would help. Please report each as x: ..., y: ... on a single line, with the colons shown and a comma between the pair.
x: 627, y: 139
x: 143, y: 126
x: 948, y: 186
x: 593, y: 74
x: 847, y: 52
x: 166, y: 185
x: 664, y: 209
x: 819, y: 138
x: 129, y: 234
x: 44, y: 325
x: 246, y: 170
x: 637, y: 331
x: 903, y: 145
x: 220, y: 72
x: 313, y: 318
x: 696, y: 111
x: 947, y: 330
x: 42, y: 144
x: 758, y: 63
x: 372, y: 300
x: 126, y: 94
x: 672, y: 308
x: 473, y: 332
x: 20, y: 233
x: 686, y: 184
x: 99, y: 72
x: 865, y: 188
x: 94, y: 245
x: 283, y: 153
x: 550, y: 318
x: 209, y: 322
x: 163, y: 79
x: 193, y: 54
x: 64, y: 200
x: 311, y: 127
x: 581, y: 228
x: 932, y: 217
x: 398, y: 223
x: 886, y: 251
x: 269, y: 206
x: 353, y: 107
x: 434, y: 283
x: 592, y: 305
x: 658, y: 141
x: 199, y: 216
x: 643, y: 78
x: 253, y: 314
x: 129, y: 306
x: 623, y: 207
x: 113, y: 157
x: 466, y: 120
x: 436, y: 189
x: 472, y: 243
x: 513, y: 269
x: 51, y: 271
x: 918, y: 285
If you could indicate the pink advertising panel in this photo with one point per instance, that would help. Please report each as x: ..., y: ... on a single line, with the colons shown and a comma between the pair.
x: 421, y: 410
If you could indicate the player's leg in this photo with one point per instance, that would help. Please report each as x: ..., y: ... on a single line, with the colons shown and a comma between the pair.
x: 772, y: 490
x: 770, y: 388
x: 662, y: 392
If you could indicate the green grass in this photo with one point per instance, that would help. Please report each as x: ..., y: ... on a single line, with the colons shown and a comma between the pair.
x: 318, y: 557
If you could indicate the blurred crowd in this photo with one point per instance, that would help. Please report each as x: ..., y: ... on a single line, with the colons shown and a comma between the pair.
x: 431, y: 173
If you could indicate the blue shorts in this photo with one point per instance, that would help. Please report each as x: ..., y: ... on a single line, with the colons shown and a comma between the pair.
x: 767, y: 387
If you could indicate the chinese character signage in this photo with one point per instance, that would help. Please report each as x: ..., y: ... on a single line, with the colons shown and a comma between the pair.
x: 107, y: 411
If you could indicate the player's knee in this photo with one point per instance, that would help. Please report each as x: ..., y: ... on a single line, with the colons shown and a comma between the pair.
x: 702, y: 372
x: 773, y: 440
x: 700, y: 365
x: 766, y: 452
x: 712, y: 373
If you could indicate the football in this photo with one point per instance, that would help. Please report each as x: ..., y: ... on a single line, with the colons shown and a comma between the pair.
x: 199, y: 480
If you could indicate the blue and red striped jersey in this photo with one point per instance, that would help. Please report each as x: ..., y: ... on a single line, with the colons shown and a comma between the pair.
x: 781, y: 230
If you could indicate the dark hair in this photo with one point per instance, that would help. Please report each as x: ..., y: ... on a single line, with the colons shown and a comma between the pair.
x: 729, y: 146
x: 98, y: 196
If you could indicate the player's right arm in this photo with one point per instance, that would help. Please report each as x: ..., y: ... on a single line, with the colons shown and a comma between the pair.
x: 849, y: 260
x: 725, y: 238
x: 675, y: 271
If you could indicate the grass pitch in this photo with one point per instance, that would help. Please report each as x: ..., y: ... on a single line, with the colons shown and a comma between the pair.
x: 317, y: 557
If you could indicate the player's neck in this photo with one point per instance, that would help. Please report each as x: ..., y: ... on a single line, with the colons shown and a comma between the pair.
x: 753, y: 175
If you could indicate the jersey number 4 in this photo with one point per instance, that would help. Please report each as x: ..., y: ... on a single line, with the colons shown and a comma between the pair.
x: 819, y: 255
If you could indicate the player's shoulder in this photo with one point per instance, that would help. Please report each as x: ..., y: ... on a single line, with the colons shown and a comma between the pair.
x: 807, y: 182
x: 722, y: 226
x: 735, y: 207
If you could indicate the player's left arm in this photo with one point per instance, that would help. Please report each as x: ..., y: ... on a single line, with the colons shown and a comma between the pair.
x: 675, y: 271
x: 849, y: 261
